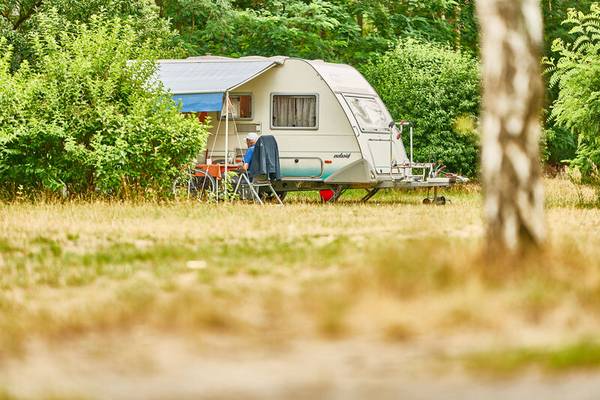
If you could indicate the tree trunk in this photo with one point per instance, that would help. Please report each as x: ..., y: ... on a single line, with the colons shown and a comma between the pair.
x: 456, y: 23
x: 161, y: 9
x: 511, y: 40
x: 361, y: 23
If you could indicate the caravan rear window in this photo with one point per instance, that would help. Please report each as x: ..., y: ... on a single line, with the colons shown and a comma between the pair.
x: 369, y: 113
x: 294, y: 111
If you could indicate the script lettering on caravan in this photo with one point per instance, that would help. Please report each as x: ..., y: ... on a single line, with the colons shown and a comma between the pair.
x: 341, y: 155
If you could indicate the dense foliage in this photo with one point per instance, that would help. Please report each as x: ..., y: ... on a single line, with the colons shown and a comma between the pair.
x: 20, y: 19
x: 576, y: 74
x: 437, y: 89
x: 337, y: 30
x: 82, y: 118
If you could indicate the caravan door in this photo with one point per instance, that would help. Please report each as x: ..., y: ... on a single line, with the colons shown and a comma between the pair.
x: 373, y: 121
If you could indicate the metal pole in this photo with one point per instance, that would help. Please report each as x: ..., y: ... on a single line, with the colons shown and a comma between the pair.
x: 227, y: 142
x: 411, y: 147
x: 391, y: 150
x: 402, y: 141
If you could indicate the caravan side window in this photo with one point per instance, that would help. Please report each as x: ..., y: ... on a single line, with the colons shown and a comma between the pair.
x: 241, y: 106
x: 294, y: 111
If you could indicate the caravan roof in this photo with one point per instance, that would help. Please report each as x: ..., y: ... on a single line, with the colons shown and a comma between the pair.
x: 342, y: 78
x: 212, y: 74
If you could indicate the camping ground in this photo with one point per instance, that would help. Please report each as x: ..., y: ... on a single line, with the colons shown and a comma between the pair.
x: 185, y: 300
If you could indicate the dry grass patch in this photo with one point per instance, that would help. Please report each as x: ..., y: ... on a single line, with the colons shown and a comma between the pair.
x: 392, y: 271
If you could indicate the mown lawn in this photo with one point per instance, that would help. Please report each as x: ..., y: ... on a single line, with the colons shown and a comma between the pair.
x: 124, y: 285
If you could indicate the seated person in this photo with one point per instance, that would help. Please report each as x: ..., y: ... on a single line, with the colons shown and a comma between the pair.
x: 251, y: 139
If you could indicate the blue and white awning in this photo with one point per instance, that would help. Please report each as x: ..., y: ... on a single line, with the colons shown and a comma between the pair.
x: 199, y: 102
x: 199, y: 83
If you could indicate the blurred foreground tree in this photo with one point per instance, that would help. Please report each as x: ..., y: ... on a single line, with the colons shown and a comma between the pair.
x: 511, y: 41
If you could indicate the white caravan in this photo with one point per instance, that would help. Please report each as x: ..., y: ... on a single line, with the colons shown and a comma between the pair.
x: 332, y: 129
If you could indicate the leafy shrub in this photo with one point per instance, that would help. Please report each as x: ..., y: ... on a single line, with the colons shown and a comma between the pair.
x: 437, y: 89
x: 84, y: 118
x: 558, y: 145
x: 576, y: 73
x: 20, y: 19
x: 315, y: 29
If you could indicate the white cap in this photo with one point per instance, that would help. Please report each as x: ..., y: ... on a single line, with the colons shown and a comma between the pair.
x: 252, y: 136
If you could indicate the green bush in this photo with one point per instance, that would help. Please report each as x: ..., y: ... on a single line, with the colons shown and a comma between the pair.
x: 83, y: 118
x: 437, y: 89
x: 305, y: 29
x: 576, y: 73
x: 558, y: 145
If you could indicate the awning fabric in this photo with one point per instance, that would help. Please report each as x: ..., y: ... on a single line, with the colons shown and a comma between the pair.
x: 191, y: 77
x: 200, y: 102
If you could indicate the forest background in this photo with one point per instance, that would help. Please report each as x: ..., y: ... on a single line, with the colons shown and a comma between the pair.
x: 77, y: 117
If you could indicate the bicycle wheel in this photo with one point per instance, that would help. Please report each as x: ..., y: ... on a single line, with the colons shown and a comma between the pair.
x: 197, y: 185
x: 183, y: 187
x: 203, y: 185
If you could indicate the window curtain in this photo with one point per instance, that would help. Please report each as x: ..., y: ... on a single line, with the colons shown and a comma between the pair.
x: 235, y: 106
x: 295, y: 111
x: 241, y: 106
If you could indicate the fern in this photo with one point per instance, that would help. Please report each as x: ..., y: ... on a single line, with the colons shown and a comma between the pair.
x: 580, y: 40
x: 592, y: 29
x: 576, y: 29
x: 554, y: 79
x: 576, y: 73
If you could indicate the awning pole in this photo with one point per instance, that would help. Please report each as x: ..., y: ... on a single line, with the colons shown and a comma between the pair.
x: 226, y: 141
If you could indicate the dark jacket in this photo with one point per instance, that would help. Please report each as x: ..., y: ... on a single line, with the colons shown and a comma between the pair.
x: 265, y: 160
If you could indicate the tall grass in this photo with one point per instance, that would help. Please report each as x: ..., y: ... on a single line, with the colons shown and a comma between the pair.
x: 392, y: 270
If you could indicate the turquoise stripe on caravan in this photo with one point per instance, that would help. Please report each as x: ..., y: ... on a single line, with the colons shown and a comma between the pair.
x: 303, y: 173
x: 199, y: 102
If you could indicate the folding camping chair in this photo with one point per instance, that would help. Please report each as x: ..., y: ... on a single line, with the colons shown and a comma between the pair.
x: 254, y: 185
x: 264, y: 167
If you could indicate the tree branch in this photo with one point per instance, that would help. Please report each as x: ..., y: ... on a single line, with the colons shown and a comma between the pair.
x: 6, y: 14
x: 24, y: 17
